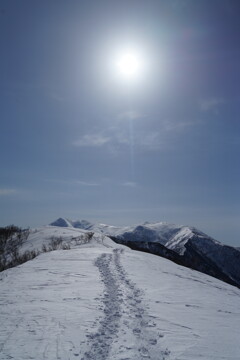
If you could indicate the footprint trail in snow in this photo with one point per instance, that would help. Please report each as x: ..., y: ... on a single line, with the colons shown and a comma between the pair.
x: 124, y: 317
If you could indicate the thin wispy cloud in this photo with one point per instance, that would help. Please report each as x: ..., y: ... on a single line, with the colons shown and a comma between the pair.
x: 178, y: 125
x: 6, y: 192
x: 211, y: 104
x: 130, y: 115
x: 86, y: 183
x: 92, y: 140
x: 119, y: 138
x: 150, y: 141
x: 74, y: 182
x: 130, y: 184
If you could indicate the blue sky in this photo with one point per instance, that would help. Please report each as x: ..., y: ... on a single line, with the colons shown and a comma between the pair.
x: 78, y: 141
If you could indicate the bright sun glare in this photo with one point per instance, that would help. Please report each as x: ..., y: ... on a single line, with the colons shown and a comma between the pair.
x: 129, y: 64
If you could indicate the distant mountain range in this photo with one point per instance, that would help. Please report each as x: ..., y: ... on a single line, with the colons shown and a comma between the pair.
x: 184, y: 245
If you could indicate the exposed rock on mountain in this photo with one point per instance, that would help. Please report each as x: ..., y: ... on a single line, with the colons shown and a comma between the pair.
x: 182, y: 244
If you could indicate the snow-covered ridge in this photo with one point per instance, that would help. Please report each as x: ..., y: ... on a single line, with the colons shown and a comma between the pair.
x: 161, y: 232
x: 63, y: 222
x: 172, y: 236
x: 48, y: 238
x: 100, y: 301
x: 196, y: 249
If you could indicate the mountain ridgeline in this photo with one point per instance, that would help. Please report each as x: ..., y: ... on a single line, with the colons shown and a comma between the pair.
x: 184, y: 245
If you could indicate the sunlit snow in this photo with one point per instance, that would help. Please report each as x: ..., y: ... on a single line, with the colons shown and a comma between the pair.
x: 101, y: 301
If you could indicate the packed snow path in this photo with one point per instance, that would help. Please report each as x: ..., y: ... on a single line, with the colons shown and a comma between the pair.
x: 124, y: 317
x: 100, y: 302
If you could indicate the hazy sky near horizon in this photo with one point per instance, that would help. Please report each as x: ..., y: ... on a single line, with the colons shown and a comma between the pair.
x: 79, y: 141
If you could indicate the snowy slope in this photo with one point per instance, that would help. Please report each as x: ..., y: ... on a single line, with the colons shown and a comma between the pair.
x: 196, y: 249
x: 43, y: 235
x: 103, y: 301
x: 158, y: 232
x: 171, y: 235
x: 86, y: 225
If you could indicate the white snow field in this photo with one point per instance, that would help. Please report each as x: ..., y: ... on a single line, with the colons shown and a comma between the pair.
x: 102, y: 301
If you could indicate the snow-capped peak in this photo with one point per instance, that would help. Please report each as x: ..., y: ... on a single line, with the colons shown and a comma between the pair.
x: 79, y: 224
x: 62, y: 222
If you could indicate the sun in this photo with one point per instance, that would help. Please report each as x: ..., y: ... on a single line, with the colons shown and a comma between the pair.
x: 129, y: 64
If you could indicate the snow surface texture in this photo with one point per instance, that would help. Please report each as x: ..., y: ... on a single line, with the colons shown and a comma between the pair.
x: 103, y: 301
